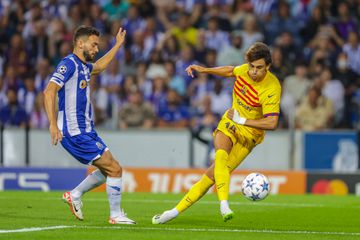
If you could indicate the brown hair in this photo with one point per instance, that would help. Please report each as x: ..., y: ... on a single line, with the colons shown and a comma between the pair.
x: 258, y: 51
x: 83, y: 31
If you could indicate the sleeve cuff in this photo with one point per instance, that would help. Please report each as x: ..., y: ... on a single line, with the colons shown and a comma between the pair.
x: 270, y: 114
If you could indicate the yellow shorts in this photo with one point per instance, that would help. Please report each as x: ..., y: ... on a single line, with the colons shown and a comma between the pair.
x: 243, y: 143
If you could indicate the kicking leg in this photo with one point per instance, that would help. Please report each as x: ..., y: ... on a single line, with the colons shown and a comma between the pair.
x: 199, y: 189
x: 195, y: 193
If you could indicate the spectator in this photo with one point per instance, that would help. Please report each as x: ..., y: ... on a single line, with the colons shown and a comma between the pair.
x: 16, y: 55
x: 133, y: 22
x: 191, y: 7
x: 220, y: 99
x: 199, y: 88
x: 144, y: 83
x: 38, y: 43
x: 101, y: 104
x: 281, y: 22
x: 289, y: 48
x: 136, y: 113
x: 128, y: 85
x: 184, y: 32
x: 251, y: 33
x: 279, y: 67
x: 204, y: 116
x: 169, y: 47
x: 173, y: 113
x: 38, y: 118
x: 352, y: 50
x: 3, y: 97
x: 312, y: 26
x: 42, y: 76
x: 333, y: 90
x: 13, y: 114
x: 186, y: 59
x: 263, y: 8
x: 98, y: 17
x: 116, y: 9
x: 27, y: 94
x: 216, y: 11
x: 111, y: 80
x: 151, y: 36
x: 176, y: 82
x: 233, y: 54
x: 315, y: 111
x: 351, y: 83
x: 215, y: 38
x: 159, y: 92
x: 344, y: 24
x: 297, y: 85
x: 137, y: 47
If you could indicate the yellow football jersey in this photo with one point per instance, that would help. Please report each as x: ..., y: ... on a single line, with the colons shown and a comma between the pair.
x: 255, y: 100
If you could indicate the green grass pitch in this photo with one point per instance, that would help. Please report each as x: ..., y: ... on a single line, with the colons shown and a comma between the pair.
x: 277, y: 217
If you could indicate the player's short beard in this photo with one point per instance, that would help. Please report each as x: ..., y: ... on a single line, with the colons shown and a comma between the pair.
x: 88, y: 57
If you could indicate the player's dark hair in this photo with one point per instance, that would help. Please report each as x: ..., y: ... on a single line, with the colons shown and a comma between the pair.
x: 85, y: 31
x: 258, y: 51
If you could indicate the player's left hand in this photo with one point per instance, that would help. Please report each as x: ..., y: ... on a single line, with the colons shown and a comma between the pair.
x: 230, y: 113
x: 235, y: 116
x: 120, y: 36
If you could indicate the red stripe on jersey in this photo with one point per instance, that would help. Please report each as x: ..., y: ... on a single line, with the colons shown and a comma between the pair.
x: 237, y: 83
x: 237, y: 88
x: 247, y: 84
x: 239, y: 95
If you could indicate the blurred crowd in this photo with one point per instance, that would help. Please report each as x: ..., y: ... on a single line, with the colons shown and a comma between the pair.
x: 315, y: 48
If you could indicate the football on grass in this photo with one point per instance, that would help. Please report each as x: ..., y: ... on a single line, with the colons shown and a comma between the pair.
x: 255, y: 186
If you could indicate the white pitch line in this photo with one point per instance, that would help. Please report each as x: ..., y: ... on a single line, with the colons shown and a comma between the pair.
x: 34, y: 229
x: 228, y: 230
x: 298, y: 232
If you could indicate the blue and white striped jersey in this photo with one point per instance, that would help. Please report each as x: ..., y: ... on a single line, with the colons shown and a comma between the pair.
x: 75, y: 114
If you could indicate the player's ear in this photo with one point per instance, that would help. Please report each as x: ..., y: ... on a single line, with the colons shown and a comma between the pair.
x: 80, y: 43
x: 268, y: 67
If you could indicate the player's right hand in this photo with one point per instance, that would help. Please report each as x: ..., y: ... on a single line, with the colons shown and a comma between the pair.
x: 189, y: 70
x: 55, y: 133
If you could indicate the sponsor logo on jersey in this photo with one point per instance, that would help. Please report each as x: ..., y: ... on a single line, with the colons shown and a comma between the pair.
x: 83, y: 84
x: 246, y: 107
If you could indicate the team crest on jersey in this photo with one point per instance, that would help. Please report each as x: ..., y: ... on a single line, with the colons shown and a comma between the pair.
x: 62, y: 69
x: 83, y: 84
x: 99, y: 145
x: 243, y: 90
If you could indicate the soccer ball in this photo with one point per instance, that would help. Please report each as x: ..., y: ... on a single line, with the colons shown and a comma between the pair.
x: 255, y: 186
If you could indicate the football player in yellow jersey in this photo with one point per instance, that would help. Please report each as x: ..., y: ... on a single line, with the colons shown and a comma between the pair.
x: 256, y: 106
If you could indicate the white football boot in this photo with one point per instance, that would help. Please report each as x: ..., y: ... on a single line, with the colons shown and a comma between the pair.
x: 165, y: 217
x: 75, y: 205
x: 121, y: 219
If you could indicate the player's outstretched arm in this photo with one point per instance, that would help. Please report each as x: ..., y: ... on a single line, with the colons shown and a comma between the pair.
x: 225, y: 71
x: 50, y: 94
x: 101, y: 64
x: 267, y: 123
